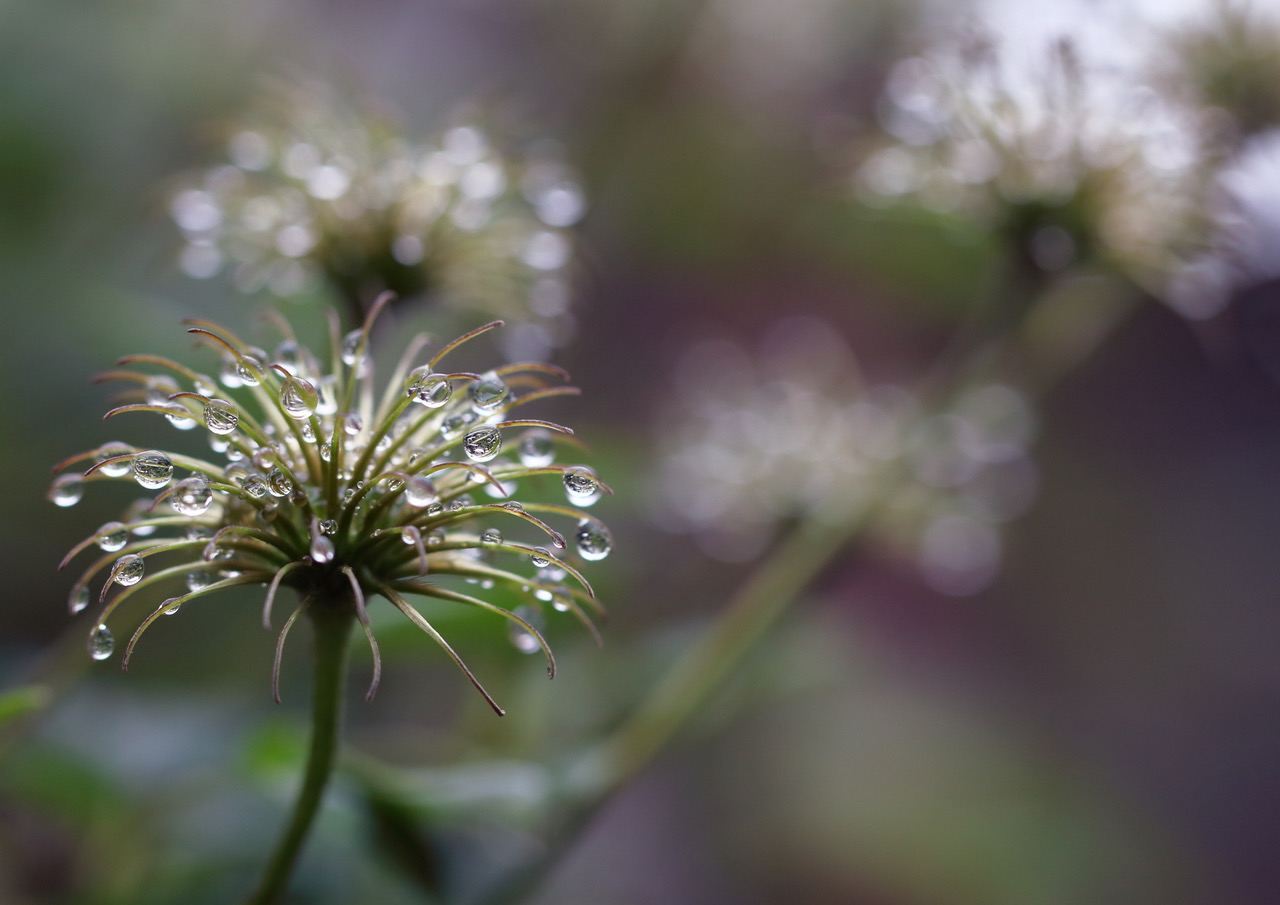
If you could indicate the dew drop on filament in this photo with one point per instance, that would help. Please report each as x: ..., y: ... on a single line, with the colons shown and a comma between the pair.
x: 79, y: 599
x: 594, y: 542
x: 298, y: 398
x: 536, y: 449
x: 129, y: 569
x: 101, y: 643
x: 580, y: 485
x: 67, y: 490
x: 321, y: 549
x: 489, y: 393
x: 220, y: 416
x: 192, y: 496
x: 152, y: 469
x: 351, y: 348
x: 482, y: 444
x: 118, y: 468
x: 523, y: 640
x: 112, y: 536
x: 420, y: 492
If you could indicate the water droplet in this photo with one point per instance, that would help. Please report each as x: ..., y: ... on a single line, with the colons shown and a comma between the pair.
x: 248, y: 369
x: 454, y: 425
x: 419, y: 491
x: 101, y: 643
x: 513, y: 506
x: 561, y: 602
x: 540, y: 557
x: 67, y: 490
x: 491, y: 536
x: 520, y: 638
x: 220, y: 416
x: 460, y: 503
x: 172, y: 605
x: 352, y: 424
x: 594, y: 542
x: 118, y: 468
x: 298, y: 398
x: 489, y: 393
x: 536, y: 449
x: 255, y: 485
x: 329, y: 527
x: 431, y: 390
x: 113, y: 536
x: 229, y: 373
x: 128, y: 569
x: 263, y: 457
x: 410, y: 535
x: 152, y: 469
x: 482, y: 444
x: 321, y: 548
x: 298, y: 497
x: 308, y: 433
x: 580, y: 485
x: 192, y: 496
x: 179, y: 417
x: 351, y: 348
x: 79, y: 599
x: 278, y: 483
x: 199, y: 580
x: 198, y: 532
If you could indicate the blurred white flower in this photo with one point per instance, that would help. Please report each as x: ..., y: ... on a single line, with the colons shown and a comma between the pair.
x: 315, y: 191
x: 795, y: 432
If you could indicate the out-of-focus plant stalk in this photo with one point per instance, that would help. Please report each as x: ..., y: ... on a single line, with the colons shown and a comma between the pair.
x: 1041, y: 343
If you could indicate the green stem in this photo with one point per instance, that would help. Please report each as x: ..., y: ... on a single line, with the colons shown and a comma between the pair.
x: 687, y: 686
x: 695, y: 677
x: 332, y: 620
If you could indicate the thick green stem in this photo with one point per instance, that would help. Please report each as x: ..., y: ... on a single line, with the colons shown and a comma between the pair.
x: 332, y: 621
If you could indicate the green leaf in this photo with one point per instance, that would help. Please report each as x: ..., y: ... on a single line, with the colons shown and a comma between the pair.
x: 19, y: 702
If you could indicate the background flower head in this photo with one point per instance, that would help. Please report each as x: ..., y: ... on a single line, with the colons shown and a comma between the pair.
x: 316, y: 191
x: 1066, y: 160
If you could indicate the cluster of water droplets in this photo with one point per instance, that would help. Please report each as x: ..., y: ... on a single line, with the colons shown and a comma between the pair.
x: 303, y: 462
x: 315, y: 189
x: 796, y: 432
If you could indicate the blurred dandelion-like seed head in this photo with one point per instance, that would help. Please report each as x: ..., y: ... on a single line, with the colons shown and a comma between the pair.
x: 318, y: 483
x: 795, y: 432
x: 1230, y: 63
x: 315, y: 191
x: 1229, y: 60
x: 1069, y: 163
